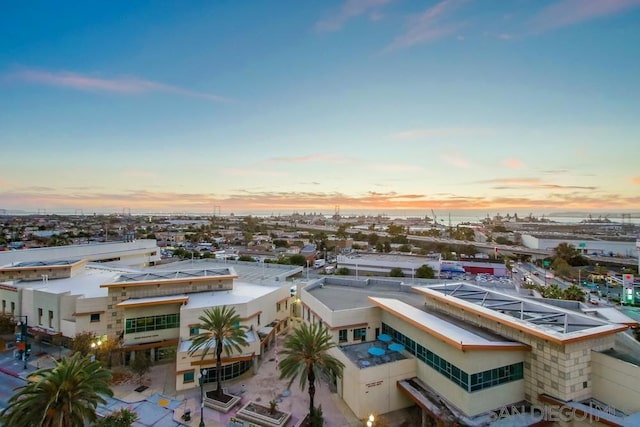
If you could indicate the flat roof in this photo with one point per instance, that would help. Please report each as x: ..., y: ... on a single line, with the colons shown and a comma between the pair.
x: 462, y: 338
x: 86, y: 282
x: 539, y: 319
x: 25, y: 264
x: 144, y: 276
x: 241, y: 293
x: 338, y: 296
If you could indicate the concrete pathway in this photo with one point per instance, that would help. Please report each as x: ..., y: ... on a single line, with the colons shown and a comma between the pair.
x: 261, y: 388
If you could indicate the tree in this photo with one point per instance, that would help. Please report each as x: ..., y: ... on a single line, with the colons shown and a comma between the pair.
x: 123, y: 417
x: 574, y: 293
x: 298, y: 259
x: 405, y: 248
x: 141, y: 364
x: 552, y: 291
x: 565, y: 251
x: 396, y: 272
x: 306, y: 356
x: 425, y: 272
x: 221, y: 331
x: 82, y: 343
x: 395, y: 229
x: 7, y: 324
x: 65, y: 395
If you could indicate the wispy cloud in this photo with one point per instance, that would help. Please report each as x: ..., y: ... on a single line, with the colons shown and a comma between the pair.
x: 351, y: 9
x: 269, y: 201
x: 430, y: 25
x: 532, y: 184
x: 311, y: 158
x: 441, y: 133
x: 456, y: 160
x: 396, y: 167
x: 119, y: 85
x: 564, y: 13
x: 138, y: 173
x: 253, y: 172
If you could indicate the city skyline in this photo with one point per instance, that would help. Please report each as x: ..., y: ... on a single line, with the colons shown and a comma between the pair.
x: 369, y: 105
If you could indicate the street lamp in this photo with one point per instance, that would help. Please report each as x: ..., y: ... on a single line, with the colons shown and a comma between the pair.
x: 202, y: 375
x: 95, y: 346
x: 23, y: 337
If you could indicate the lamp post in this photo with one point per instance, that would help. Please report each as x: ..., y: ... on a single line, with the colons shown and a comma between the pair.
x: 95, y: 346
x: 24, y: 329
x: 370, y: 420
x: 202, y: 375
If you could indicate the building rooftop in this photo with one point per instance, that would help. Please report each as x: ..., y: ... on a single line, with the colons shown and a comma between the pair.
x: 86, y: 282
x: 543, y: 320
x: 241, y: 293
x: 445, y: 329
x: 347, y: 294
x: 173, y: 275
x: 44, y: 263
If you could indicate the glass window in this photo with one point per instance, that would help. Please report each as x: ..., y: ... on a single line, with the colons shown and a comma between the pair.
x: 194, y: 331
x: 95, y: 317
x: 188, y: 377
x: 342, y: 335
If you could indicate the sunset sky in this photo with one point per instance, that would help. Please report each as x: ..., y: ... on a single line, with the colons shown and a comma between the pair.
x: 282, y: 106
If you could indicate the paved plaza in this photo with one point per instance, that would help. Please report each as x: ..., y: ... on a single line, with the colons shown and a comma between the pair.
x: 160, y: 405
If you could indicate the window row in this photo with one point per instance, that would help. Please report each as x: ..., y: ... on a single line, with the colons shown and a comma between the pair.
x: 152, y: 323
x: 469, y: 382
x: 228, y: 372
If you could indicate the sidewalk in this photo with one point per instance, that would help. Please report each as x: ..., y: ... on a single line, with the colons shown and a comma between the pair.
x: 261, y: 388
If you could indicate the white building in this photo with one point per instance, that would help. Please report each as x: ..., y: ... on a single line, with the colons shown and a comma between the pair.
x: 465, y: 354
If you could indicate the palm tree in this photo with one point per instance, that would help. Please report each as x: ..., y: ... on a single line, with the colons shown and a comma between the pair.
x: 306, y: 356
x: 574, y: 292
x: 63, y: 396
x: 222, y: 330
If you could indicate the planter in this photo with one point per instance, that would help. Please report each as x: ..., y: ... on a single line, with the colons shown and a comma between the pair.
x: 263, y: 415
x: 224, y: 404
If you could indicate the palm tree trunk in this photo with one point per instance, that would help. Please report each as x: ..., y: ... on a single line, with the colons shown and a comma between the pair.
x: 311, y: 377
x: 218, y: 366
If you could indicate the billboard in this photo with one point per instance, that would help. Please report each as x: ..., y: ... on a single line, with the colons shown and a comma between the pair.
x: 627, y: 285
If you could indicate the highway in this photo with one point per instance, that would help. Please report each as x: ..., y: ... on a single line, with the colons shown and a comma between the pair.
x: 488, y: 247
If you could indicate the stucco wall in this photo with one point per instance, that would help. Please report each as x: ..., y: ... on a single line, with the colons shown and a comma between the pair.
x: 373, y: 389
x: 615, y: 382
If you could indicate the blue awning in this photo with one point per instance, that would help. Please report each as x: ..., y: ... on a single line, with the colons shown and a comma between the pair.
x: 396, y: 347
x: 376, y: 351
x: 385, y: 338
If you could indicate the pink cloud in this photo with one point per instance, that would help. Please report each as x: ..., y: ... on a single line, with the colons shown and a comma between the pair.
x: 120, y: 85
x: 349, y: 10
x: 569, y: 12
x: 513, y: 163
x: 428, y: 26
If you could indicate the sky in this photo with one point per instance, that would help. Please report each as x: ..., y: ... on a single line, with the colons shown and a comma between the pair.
x: 297, y: 106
